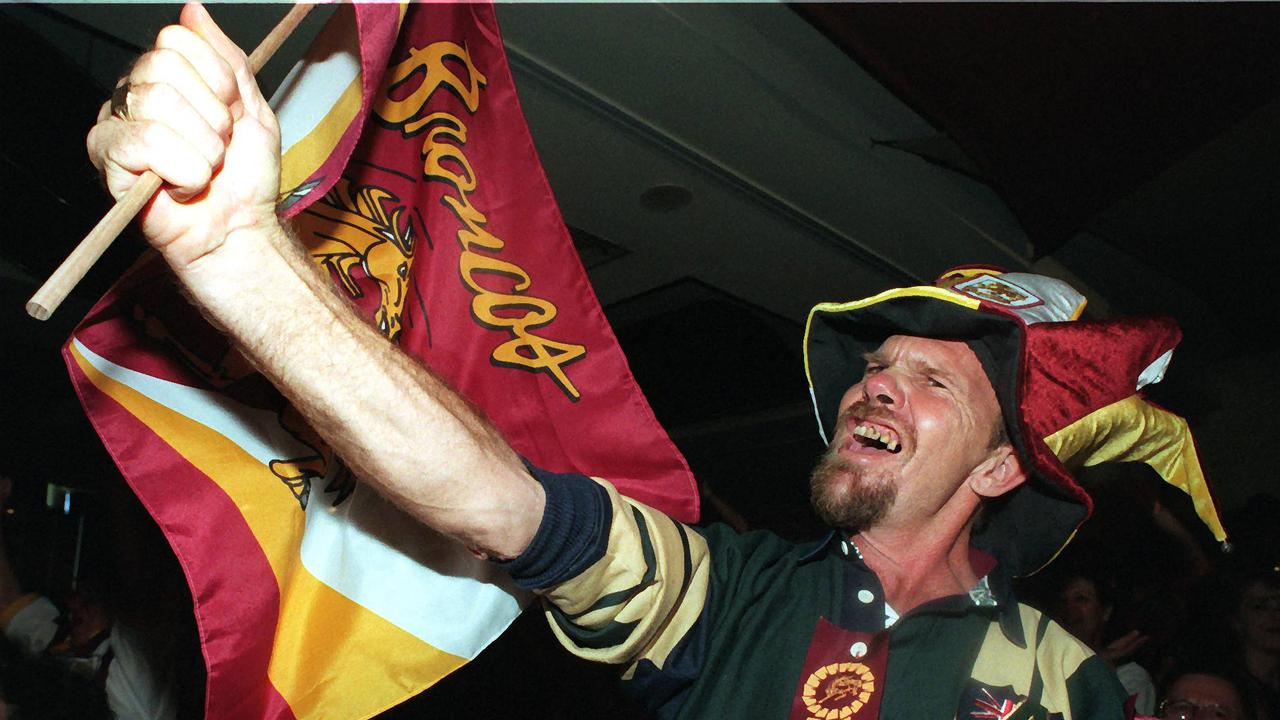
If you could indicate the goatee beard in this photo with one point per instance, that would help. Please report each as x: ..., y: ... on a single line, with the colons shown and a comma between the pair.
x: 844, y: 497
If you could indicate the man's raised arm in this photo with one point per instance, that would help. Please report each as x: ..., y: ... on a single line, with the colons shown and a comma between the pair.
x: 196, y: 117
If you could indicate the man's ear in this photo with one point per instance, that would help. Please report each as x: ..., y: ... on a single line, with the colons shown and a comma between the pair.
x: 1001, y: 472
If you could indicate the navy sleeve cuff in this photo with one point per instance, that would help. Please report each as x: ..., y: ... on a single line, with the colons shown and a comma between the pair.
x: 573, y: 534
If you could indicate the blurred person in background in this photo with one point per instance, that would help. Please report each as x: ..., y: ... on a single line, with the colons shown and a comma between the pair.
x: 48, y: 647
x: 1205, y: 695
x: 1255, y: 620
x: 1084, y: 606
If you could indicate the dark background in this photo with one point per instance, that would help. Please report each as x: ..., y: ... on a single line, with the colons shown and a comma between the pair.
x: 1128, y: 148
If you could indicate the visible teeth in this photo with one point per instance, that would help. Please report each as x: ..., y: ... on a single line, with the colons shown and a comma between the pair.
x: 885, y: 437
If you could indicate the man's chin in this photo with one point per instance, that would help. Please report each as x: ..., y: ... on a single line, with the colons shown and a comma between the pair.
x: 844, y: 498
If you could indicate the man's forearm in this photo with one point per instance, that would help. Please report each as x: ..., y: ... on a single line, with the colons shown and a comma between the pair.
x: 399, y: 428
x: 193, y: 114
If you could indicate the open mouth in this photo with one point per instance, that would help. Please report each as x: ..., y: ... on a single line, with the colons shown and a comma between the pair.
x: 876, y: 437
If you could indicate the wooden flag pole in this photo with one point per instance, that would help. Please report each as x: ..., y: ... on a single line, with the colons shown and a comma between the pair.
x: 73, y: 269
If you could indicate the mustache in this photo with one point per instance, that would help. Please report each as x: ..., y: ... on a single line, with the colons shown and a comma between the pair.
x: 873, y: 412
x: 864, y: 410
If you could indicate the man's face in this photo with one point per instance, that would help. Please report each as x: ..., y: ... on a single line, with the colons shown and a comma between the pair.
x: 86, y: 620
x: 1207, y: 697
x: 1083, y: 613
x: 908, y: 434
x: 1258, y: 617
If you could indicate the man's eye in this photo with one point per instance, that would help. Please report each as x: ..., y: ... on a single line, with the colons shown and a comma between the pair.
x: 872, y: 369
x: 935, y: 382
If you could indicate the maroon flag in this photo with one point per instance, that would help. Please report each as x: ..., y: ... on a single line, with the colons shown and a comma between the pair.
x: 314, y: 597
x: 444, y: 230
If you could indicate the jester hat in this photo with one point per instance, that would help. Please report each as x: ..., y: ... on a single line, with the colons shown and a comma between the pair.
x: 1069, y: 390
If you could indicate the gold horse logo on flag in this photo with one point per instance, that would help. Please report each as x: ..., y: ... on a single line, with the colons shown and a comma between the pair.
x: 363, y: 226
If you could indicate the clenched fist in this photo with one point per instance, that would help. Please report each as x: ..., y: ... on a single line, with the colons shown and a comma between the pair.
x: 194, y: 115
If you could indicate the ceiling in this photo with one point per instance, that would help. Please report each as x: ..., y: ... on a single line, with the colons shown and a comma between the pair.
x: 724, y: 167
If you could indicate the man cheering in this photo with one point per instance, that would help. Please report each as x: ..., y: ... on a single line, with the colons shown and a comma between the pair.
x: 952, y: 413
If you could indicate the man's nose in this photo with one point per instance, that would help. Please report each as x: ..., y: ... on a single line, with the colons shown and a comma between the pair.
x: 883, y: 388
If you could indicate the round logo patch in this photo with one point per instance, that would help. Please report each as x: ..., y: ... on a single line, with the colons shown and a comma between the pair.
x: 838, y: 690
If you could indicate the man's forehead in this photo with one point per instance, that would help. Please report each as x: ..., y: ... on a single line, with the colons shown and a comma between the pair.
x: 954, y: 357
x: 1204, y: 688
x: 954, y: 353
x: 1080, y: 584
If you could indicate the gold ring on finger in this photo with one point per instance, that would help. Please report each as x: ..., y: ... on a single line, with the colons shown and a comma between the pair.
x: 120, y: 101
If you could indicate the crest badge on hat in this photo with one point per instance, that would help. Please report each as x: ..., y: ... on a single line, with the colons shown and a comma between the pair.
x: 998, y: 291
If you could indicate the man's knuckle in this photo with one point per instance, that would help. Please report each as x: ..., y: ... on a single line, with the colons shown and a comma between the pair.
x: 145, y: 65
x: 222, y: 122
x: 171, y: 36
x: 224, y: 86
x: 154, y: 96
x: 153, y: 133
x: 94, y: 145
x: 156, y: 91
x: 201, y: 173
x: 163, y: 61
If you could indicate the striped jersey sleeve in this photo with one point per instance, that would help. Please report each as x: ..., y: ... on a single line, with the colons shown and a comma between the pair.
x: 622, y: 582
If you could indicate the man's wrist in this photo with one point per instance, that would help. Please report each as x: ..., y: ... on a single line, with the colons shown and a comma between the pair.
x: 233, y: 261
x: 244, y: 280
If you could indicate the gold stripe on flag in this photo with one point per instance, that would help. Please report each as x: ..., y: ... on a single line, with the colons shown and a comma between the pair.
x: 307, y: 154
x: 316, y: 625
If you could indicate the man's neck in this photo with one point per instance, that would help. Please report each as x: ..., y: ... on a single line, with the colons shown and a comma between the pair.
x: 913, y: 570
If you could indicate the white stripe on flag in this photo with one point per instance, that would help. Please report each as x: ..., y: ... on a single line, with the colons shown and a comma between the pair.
x: 366, y: 549
x: 311, y: 88
x: 378, y: 556
x: 257, y: 432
